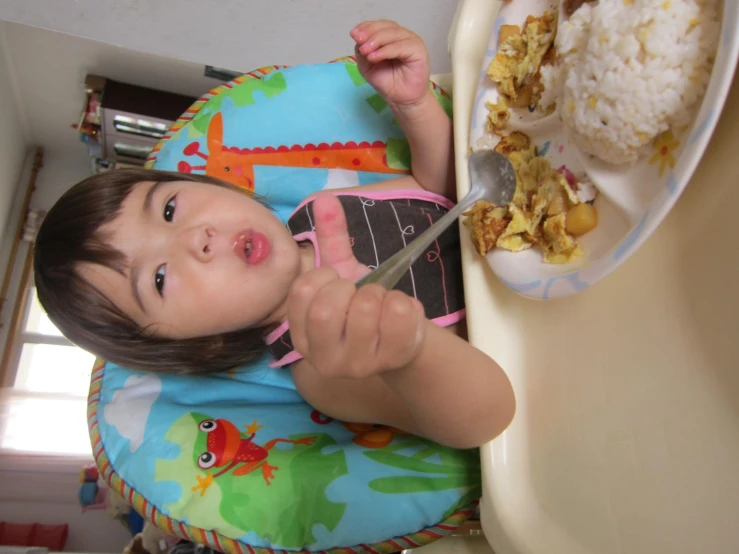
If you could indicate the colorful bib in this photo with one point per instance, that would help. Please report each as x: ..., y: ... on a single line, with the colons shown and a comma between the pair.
x: 239, y: 461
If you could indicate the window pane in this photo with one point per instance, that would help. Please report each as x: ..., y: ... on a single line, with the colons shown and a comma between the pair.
x: 53, y: 368
x: 38, y: 321
x: 46, y: 425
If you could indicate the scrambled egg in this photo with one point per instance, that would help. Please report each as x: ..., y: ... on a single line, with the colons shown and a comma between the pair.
x: 540, y: 214
x: 498, y: 116
x: 546, y: 211
x: 515, y: 68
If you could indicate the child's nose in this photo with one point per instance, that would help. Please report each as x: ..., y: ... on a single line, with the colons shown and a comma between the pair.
x: 199, y: 242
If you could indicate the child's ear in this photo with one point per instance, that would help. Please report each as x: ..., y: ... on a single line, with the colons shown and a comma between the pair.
x: 215, y: 134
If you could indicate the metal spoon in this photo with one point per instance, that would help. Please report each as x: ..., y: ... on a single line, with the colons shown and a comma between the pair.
x: 492, y: 178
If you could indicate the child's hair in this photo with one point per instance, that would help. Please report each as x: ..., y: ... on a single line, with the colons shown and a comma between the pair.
x: 69, y: 235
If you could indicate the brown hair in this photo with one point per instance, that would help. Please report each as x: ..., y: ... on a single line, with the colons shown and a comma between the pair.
x: 69, y: 235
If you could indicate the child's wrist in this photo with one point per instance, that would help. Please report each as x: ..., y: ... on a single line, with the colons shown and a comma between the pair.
x: 414, y: 109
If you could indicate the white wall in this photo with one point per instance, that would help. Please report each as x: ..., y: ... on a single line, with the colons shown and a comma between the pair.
x: 13, y: 141
x: 236, y: 34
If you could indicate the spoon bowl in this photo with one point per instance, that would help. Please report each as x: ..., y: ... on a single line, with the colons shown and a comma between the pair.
x: 492, y: 178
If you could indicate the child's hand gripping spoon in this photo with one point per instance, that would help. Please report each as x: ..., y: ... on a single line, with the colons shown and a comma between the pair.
x: 492, y: 178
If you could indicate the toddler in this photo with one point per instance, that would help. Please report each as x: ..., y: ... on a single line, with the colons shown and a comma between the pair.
x: 185, y: 273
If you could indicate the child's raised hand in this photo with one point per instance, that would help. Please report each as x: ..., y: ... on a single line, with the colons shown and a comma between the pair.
x: 342, y: 331
x: 393, y: 60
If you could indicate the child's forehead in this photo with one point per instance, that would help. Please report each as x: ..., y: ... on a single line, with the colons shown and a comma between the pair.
x: 138, y: 191
x: 129, y: 217
x: 142, y: 194
x: 153, y: 185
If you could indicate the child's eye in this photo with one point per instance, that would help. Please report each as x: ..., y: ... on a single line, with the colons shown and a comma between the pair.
x: 169, y: 209
x: 159, y: 279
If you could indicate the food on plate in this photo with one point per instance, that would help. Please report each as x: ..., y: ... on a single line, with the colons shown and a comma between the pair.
x: 498, y: 116
x: 521, y: 53
x: 487, y: 222
x: 550, y: 208
x: 571, y: 6
x: 619, y: 72
x: 514, y: 142
x: 627, y: 71
x: 581, y: 219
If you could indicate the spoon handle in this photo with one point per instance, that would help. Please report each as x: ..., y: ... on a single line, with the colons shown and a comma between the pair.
x: 389, y: 272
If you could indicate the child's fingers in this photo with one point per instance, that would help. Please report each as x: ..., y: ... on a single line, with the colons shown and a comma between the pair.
x: 325, y: 321
x: 363, y: 321
x: 361, y: 32
x: 383, y: 37
x: 404, y: 50
x: 332, y: 234
x: 401, y: 330
x: 358, y: 32
x: 386, y: 35
x: 302, y: 294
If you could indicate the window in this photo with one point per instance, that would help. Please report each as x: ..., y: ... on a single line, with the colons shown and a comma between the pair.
x: 46, y: 404
x: 44, y: 378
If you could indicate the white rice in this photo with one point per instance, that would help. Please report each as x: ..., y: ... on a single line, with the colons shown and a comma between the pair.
x: 631, y: 69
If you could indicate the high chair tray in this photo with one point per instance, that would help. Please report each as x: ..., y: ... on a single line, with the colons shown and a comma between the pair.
x: 626, y: 435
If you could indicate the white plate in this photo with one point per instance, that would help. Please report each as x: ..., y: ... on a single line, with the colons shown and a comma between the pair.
x: 633, y: 200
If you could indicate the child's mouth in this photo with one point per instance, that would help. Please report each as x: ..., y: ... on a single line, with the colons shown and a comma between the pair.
x: 252, y: 247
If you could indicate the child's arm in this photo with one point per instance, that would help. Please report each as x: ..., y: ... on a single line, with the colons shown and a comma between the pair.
x: 450, y: 392
x: 372, y: 356
x: 395, y: 62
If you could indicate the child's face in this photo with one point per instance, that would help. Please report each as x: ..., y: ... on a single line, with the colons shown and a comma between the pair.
x: 201, y: 260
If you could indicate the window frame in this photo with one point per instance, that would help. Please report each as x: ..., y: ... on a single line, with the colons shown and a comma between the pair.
x: 16, y: 339
x: 21, y: 307
x: 17, y: 335
x: 16, y: 304
x: 19, y: 240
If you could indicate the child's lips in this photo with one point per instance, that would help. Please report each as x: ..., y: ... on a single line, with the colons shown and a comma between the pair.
x: 251, y: 247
